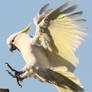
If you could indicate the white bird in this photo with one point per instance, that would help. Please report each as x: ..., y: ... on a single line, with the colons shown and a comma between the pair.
x: 50, y: 54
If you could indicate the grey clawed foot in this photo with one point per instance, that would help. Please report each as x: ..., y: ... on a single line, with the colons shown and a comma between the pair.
x: 16, y: 74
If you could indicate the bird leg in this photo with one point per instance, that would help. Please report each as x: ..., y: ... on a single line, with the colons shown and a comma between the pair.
x: 16, y: 74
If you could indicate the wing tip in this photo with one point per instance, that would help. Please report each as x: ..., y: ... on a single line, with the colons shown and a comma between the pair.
x: 45, y: 7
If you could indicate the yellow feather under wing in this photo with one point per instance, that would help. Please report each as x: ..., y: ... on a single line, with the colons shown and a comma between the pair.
x: 63, y: 71
x: 66, y: 38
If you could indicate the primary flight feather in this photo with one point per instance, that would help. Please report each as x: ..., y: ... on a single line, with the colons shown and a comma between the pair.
x: 50, y: 54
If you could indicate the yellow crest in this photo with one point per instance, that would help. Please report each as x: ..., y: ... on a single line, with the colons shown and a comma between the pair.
x: 26, y: 29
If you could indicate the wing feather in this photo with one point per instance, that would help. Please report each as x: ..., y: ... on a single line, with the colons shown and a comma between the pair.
x: 54, y: 13
x: 65, y: 36
x: 44, y: 8
x: 61, y: 78
x: 78, y: 21
x: 76, y: 14
x: 70, y: 9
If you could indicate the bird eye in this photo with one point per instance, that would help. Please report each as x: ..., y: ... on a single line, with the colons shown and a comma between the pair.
x: 13, y: 40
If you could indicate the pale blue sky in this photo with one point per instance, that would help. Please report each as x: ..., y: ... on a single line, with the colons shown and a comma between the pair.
x: 16, y: 15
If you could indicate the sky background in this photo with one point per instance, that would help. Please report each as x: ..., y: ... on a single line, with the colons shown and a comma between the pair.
x: 16, y: 15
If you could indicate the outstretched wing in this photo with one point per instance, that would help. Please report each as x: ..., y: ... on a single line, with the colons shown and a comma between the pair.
x: 61, y: 36
x: 62, y: 79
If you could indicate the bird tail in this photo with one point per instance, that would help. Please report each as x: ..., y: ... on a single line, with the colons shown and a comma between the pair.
x: 70, y: 82
x: 63, y: 80
x: 61, y: 89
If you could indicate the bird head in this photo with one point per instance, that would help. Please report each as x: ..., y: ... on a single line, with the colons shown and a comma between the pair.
x: 11, y: 39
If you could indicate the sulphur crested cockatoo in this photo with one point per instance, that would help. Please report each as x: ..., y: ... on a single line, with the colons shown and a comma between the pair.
x: 50, y: 54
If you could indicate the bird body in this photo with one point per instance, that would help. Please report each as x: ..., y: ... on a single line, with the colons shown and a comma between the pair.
x: 36, y: 54
x: 50, y: 54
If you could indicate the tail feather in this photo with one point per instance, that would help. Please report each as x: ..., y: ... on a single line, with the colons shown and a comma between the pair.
x: 63, y: 80
x: 60, y: 89
x: 72, y: 84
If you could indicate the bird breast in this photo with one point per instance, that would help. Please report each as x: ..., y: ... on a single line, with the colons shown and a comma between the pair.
x: 36, y: 56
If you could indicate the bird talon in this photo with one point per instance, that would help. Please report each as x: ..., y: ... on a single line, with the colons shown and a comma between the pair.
x: 16, y: 74
x: 10, y: 73
x: 10, y: 67
x: 18, y: 78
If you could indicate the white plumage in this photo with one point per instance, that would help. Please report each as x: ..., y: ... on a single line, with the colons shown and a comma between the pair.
x: 50, y: 54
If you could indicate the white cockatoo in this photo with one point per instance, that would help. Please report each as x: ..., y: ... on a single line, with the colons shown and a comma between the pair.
x: 50, y: 54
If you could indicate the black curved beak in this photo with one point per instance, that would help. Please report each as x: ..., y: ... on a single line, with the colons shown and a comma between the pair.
x: 12, y: 47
